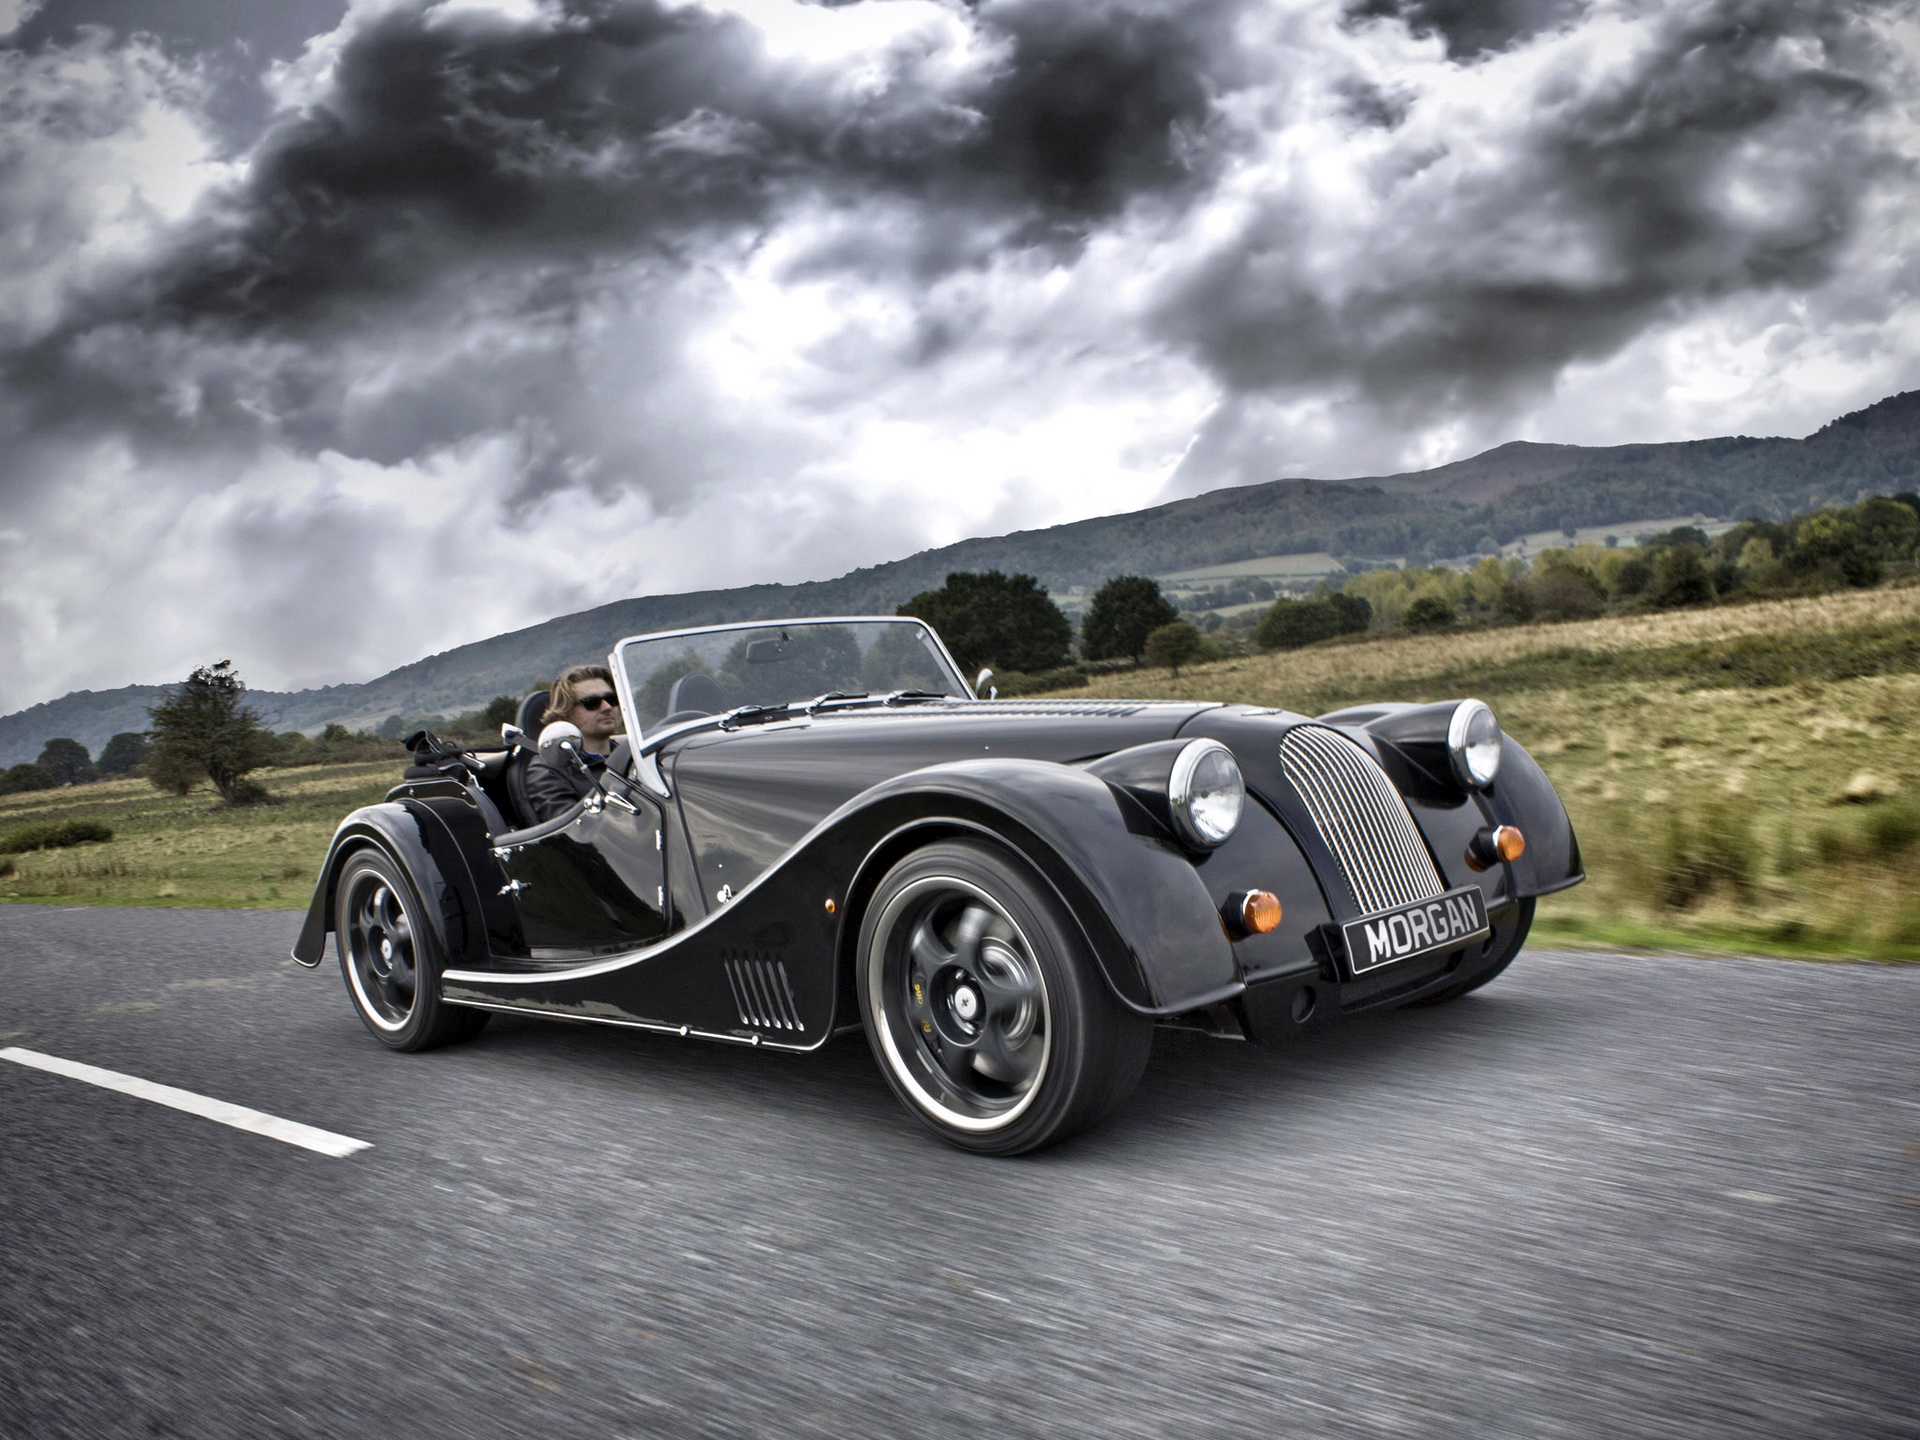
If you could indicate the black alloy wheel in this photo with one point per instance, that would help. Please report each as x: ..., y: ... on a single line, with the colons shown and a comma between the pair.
x: 1496, y: 952
x: 391, y: 961
x: 987, y: 1013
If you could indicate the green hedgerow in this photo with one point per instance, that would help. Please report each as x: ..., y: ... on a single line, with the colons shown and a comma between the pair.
x: 52, y: 835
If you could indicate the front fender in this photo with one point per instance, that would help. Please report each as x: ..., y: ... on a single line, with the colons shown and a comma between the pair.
x: 410, y: 834
x: 1153, y: 927
x: 1520, y: 795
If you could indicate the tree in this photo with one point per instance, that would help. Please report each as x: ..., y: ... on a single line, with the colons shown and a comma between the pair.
x: 205, y: 731
x: 19, y: 778
x: 1005, y: 621
x: 122, y: 753
x: 1429, y: 613
x: 1123, y: 612
x: 67, y: 762
x: 1174, y: 645
x: 500, y: 710
x: 1289, y: 624
x: 1680, y: 578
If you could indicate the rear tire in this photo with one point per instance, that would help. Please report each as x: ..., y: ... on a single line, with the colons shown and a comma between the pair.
x: 1496, y: 953
x: 984, y: 1006
x: 391, y: 959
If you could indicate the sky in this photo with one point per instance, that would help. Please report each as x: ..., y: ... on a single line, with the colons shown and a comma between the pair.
x: 333, y: 335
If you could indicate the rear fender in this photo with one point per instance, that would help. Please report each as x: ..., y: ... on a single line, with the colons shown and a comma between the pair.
x: 414, y: 838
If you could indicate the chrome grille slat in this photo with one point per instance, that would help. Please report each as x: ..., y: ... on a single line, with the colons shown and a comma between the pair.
x: 1361, y: 817
x: 1399, y: 842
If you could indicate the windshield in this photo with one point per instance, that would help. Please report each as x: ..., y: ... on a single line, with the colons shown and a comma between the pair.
x: 677, y: 676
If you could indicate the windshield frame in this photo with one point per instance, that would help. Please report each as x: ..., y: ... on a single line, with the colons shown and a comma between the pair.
x: 636, y: 736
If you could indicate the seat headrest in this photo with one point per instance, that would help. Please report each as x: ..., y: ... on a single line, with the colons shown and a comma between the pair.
x: 698, y: 693
x: 529, y: 713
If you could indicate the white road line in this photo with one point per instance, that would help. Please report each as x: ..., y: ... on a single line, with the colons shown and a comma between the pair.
x: 238, y: 1116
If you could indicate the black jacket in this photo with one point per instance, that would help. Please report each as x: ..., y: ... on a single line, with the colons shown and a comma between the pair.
x: 552, y: 789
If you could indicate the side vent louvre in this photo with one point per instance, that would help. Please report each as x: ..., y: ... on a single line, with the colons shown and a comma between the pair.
x: 761, y: 991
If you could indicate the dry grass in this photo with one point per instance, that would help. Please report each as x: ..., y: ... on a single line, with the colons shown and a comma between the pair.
x: 1711, y: 817
x: 170, y: 850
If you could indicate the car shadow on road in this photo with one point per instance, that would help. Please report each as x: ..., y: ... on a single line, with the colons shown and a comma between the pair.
x: 1193, y: 1083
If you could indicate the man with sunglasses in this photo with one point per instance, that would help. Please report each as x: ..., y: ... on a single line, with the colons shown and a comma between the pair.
x: 585, y: 696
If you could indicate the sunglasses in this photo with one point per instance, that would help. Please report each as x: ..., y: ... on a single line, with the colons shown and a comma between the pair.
x: 594, y: 702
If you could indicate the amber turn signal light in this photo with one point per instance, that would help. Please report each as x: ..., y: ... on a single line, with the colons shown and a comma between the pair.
x: 1501, y: 842
x: 1260, y: 912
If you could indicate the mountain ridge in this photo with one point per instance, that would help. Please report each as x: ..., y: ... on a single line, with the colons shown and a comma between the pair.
x: 1513, y: 489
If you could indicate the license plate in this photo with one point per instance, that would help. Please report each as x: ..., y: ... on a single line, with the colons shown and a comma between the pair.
x: 1445, y: 922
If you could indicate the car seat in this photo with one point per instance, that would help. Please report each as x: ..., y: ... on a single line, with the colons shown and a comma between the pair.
x: 528, y: 719
x: 693, y: 696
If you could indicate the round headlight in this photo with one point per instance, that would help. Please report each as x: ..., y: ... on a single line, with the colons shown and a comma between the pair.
x: 1473, y: 744
x: 1205, y: 792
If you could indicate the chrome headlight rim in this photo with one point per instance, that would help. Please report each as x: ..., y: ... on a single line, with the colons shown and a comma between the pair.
x: 1475, y: 763
x: 1195, y: 831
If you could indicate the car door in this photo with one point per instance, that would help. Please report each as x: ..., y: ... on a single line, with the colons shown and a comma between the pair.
x: 597, y: 885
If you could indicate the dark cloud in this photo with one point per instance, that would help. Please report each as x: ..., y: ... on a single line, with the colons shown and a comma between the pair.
x: 454, y: 151
x: 1471, y: 27
x: 1729, y: 155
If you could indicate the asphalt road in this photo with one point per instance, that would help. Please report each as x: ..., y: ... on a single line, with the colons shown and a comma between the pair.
x: 1607, y: 1196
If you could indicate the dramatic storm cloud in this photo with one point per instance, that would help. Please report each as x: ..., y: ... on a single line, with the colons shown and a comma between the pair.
x: 374, y: 329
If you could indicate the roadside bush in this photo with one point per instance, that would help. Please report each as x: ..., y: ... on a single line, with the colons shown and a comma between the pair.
x: 53, y: 835
x: 1711, y: 849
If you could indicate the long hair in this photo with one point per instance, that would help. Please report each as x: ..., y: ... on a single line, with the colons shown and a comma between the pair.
x: 566, y: 690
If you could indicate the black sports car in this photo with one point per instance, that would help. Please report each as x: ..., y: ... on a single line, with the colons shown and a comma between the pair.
x: 816, y: 826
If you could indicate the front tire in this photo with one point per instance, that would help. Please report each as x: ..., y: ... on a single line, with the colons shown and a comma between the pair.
x: 984, y: 1007
x: 391, y: 959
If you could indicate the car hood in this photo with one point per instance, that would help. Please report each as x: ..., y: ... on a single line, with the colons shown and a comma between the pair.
x: 747, y: 795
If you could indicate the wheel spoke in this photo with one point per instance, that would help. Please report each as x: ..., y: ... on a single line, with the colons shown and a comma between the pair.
x: 968, y: 933
x: 1007, y: 986
x: 928, y: 951
x: 995, y: 1056
x: 956, y: 1060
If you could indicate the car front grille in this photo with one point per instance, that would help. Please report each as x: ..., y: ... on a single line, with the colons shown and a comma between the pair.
x: 1361, y: 817
x: 761, y: 992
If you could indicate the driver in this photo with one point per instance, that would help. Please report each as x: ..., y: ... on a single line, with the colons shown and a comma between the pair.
x: 585, y: 696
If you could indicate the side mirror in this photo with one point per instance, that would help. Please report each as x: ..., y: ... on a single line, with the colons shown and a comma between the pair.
x: 560, y: 743
x: 983, y: 691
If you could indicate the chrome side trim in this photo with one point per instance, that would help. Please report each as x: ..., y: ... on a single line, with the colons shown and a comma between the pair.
x: 683, y: 1031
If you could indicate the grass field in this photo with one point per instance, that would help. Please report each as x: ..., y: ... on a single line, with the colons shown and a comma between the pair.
x: 169, y: 850
x: 1705, y: 758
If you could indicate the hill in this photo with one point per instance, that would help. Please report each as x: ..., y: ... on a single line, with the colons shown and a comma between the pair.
x: 1513, y: 490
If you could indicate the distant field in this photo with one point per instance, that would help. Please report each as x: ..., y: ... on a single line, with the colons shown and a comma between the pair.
x: 1704, y: 757
x: 1306, y: 566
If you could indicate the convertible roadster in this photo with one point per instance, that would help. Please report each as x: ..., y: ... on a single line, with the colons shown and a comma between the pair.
x: 815, y: 827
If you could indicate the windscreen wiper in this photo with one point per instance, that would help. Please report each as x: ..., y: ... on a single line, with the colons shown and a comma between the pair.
x: 820, y: 700
x: 903, y: 697
x: 755, y: 714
